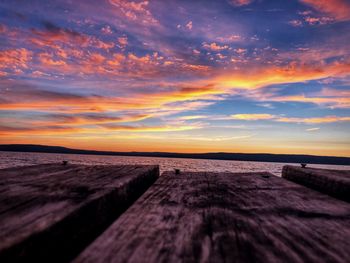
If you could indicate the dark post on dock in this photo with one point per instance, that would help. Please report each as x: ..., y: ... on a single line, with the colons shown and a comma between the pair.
x: 49, y: 213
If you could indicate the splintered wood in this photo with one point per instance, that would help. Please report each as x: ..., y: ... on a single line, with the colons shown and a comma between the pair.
x: 49, y: 213
x: 223, y: 217
x: 332, y: 182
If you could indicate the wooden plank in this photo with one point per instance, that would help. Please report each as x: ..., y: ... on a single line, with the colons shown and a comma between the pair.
x: 335, y: 183
x: 222, y: 217
x: 49, y: 213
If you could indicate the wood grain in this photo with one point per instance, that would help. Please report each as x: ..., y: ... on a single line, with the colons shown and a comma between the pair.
x: 222, y: 217
x: 49, y: 213
x: 335, y: 183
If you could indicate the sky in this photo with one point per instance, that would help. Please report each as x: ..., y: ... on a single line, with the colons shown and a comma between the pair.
x: 248, y: 76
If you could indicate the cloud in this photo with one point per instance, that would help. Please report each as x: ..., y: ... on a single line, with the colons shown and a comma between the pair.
x: 312, y: 129
x: 3, y: 28
x: 57, y: 38
x: 107, y: 30
x: 38, y: 99
x: 326, y: 119
x: 214, y: 46
x: 189, y: 25
x: 135, y: 11
x: 338, y: 9
x: 45, y: 130
x: 252, y: 117
x: 240, y: 51
x: 53, y: 33
x: 293, y: 73
x: 123, y: 41
x: 334, y: 102
x: 193, y: 117
x: 318, y: 20
x: 15, y: 59
x: 230, y: 39
x: 296, y: 23
x: 47, y: 60
x: 165, y: 128
x: 240, y: 2
x: 218, y: 138
x: 262, y: 116
x: 86, y: 119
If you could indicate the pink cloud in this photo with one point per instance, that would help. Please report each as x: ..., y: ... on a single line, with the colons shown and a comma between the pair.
x: 123, y: 41
x: 318, y: 20
x: 214, y: 46
x: 135, y: 11
x: 296, y: 23
x: 106, y: 30
x: 240, y: 2
x: 338, y: 9
x: 189, y: 25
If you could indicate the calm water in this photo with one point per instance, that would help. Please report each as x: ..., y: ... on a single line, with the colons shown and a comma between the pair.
x: 10, y: 159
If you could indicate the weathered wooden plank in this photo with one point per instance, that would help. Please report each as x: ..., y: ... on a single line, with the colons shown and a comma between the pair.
x: 49, y: 213
x: 335, y: 183
x: 221, y: 217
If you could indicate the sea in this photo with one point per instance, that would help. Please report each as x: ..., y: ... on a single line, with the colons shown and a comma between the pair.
x: 12, y: 159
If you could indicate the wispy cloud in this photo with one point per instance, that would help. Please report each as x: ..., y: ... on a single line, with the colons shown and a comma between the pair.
x: 312, y: 129
x: 255, y: 117
x: 252, y: 117
x: 135, y: 11
x: 326, y: 119
x: 240, y: 2
x: 339, y: 9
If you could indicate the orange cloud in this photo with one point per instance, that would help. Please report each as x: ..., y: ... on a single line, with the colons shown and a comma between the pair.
x: 47, y: 60
x: 135, y: 11
x: 252, y: 117
x: 123, y: 41
x: 240, y: 2
x: 101, y: 44
x: 64, y: 129
x: 97, y: 58
x: 292, y: 73
x: 53, y: 34
x: 326, y: 119
x: 214, y: 46
x: 51, y: 130
x: 339, y: 9
x: 255, y: 117
x: 86, y: 119
x: 14, y: 59
x: 54, y: 101
x: 225, y: 84
x: 166, y: 128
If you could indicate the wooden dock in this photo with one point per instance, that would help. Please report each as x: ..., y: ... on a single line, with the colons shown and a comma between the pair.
x: 335, y: 183
x: 49, y: 213
x: 77, y: 213
x: 223, y: 217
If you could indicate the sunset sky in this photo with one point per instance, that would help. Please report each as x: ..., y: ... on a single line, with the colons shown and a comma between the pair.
x: 181, y: 76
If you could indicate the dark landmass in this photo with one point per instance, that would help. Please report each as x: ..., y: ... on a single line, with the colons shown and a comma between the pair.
x: 256, y: 157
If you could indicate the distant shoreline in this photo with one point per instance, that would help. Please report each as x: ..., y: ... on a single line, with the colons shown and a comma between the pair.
x: 254, y: 157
